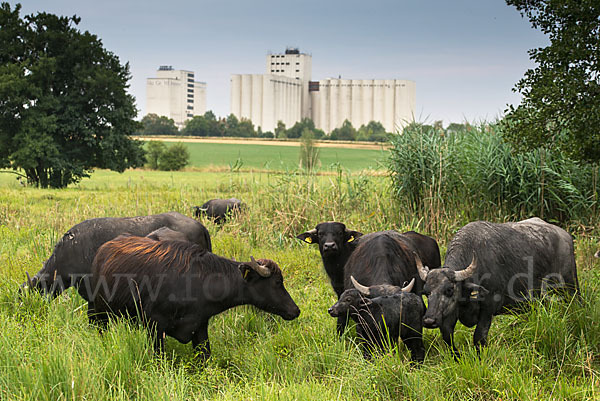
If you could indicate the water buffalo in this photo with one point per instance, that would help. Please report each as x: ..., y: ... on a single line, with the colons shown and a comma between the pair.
x: 219, y: 209
x: 336, y: 244
x: 175, y: 287
x: 490, y: 268
x: 388, y: 257
x: 382, y: 313
x: 71, y: 262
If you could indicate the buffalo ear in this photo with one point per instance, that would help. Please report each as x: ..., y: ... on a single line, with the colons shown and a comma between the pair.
x: 352, y: 236
x: 245, y: 270
x: 310, y: 237
x: 475, y: 292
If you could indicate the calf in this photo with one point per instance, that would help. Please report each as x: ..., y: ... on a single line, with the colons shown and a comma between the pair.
x: 384, y: 313
x: 175, y: 287
x: 506, y: 264
x: 336, y: 244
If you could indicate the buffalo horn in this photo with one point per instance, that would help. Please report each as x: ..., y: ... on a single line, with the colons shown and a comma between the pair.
x: 361, y: 288
x: 423, y: 270
x: 597, y: 254
x: 29, y: 282
x: 462, y: 275
x: 409, y: 286
x: 262, y: 270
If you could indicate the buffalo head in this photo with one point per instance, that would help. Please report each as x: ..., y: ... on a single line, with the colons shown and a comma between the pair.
x: 444, y: 288
x: 331, y: 237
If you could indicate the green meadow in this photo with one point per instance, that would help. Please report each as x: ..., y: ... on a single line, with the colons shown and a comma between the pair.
x: 48, y: 351
x: 281, y: 158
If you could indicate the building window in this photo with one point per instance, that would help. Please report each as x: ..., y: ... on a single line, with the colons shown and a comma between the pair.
x: 190, y: 100
x: 190, y: 90
x: 190, y: 107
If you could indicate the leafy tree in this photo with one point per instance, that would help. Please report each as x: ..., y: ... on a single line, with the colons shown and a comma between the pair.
x: 298, y: 128
x: 175, y: 157
x: 561, y: 96
x: 345, y: 133
x: 197, y: 126
x: 373, y: 131
x: 280, y: 131
x: 245, y: 129
x: 154, y: 150
x: 158, y: 125
x: 231, y: 124
x: 64, y: 109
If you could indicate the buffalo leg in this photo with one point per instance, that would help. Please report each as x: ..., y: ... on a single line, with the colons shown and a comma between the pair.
x: 159, y: 340
x: 414, y: 342
x: 447, y: 330
x: 201, y: 343
x: 481, y: 331
x: 95, y: 317
x: 342, y: 322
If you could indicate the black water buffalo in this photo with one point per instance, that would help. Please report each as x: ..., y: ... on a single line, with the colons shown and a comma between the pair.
x: 71, y: 262
x: 176, y: 287
x: 490, y: 268
x: 336, y: 244
x: 382, y: 313
x: 219, y: 209
x: 388, y: 257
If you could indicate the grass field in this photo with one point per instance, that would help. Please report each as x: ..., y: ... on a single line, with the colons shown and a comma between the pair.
x: 48, y: 351
x: 281, y: 158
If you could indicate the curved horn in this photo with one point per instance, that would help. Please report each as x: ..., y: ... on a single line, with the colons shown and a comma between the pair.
x: 597, y: 254
x: 262, y: 270
x: 462, y: 275
x: 29, y: 282
x: 423, y: 270
x: 361, y: 288
x: 409, y: 286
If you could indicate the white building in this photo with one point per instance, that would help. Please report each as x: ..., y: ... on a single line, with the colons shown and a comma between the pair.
x: 266, y: 99
x: 360, y: 101
x: 175, y: 94
x: 295, y: 65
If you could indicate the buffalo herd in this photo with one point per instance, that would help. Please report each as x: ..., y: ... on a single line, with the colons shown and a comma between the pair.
x: 160, y: 269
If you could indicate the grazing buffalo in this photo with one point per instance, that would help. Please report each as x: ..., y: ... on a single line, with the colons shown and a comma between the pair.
x: 219, y: 209
x: 388, y: 258
x: 71, y: 262
x: 336, y: 244
x: 490, y: 268
x: 175, y: 287
x: 382, y: 313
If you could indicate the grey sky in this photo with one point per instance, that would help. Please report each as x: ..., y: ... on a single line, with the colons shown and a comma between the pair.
x: 464, y: 55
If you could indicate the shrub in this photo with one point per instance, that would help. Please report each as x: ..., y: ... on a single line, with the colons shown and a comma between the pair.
x: 175, y: 157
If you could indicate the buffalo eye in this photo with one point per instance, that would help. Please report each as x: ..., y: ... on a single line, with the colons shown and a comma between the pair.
x: 449, y: 292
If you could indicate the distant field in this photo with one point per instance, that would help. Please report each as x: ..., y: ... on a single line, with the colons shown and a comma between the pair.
x: 282, y: 158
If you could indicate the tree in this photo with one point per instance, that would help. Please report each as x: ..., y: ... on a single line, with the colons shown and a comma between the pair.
x: 298, y: 129
x: 175, y: 157
x: 64, y: 109
x: 345, y: 133
x: 197, y: 126
x: 154, y: 150
x: 561, y: 96
x: 154, y: 124
x: 373, y: 131
x: 280, y: 131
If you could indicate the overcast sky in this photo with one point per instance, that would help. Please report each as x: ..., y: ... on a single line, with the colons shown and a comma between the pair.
x: 464, y: 55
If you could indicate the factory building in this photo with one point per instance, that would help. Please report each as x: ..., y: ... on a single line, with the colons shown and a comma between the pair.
x: 267, y: 99
x: 360, y: 101
x: 175, y: 94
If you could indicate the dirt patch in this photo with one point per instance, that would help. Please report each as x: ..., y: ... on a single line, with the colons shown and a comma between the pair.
x: 271, y: 142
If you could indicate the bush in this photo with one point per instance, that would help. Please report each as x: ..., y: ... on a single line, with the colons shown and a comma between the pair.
x: 175, y: 157
x: 154, y: 150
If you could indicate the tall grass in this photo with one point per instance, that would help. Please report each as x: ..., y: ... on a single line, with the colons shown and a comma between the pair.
x: 48, y: 350
x: 475, y: 171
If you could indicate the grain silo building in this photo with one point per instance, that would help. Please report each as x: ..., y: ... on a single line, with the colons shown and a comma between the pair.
x: 175, y: 94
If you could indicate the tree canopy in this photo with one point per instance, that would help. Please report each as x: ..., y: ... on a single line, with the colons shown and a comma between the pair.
x: 153, y: 124
x: 64, y: 109
x: 561, y: 96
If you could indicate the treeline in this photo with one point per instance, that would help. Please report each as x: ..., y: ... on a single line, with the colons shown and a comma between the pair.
x: 209, y: 125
